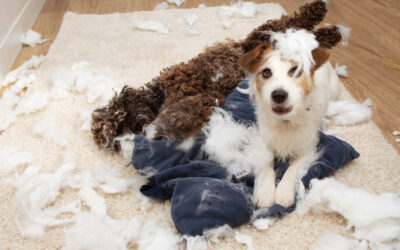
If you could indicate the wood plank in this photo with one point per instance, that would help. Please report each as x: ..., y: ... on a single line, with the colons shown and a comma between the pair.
x: 372, y: 57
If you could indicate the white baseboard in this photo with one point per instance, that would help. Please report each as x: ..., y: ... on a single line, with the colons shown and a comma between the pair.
x: 11, y: 46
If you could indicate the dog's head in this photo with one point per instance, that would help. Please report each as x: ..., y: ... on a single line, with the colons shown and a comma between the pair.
x: 280, y: 84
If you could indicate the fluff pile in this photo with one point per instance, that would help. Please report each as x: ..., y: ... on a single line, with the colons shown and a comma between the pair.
x: 349, y: 112
x: 14, y: 100
x: 237, y: 9
x: 375, y: 218
x: 32, y: 38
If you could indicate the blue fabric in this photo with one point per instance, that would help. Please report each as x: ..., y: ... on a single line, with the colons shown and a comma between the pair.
x: 201, y: 195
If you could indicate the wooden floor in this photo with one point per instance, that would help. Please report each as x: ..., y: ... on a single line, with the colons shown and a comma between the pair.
x: 373, y: 56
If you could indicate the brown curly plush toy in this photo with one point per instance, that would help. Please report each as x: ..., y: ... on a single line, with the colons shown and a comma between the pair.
x: 181, y: 99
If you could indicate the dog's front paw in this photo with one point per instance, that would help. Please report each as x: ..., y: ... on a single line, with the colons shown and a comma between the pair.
x: 285, y: 194
x: 264, y: 196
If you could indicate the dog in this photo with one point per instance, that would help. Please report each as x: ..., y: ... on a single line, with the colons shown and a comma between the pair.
x: 290, y: 111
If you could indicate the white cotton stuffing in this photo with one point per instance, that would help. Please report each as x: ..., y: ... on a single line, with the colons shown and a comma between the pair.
x: 341, y: 70
x: 161, y: 6
x: 23, y: 71
x: 13, y: 157
x: 93, y: 231
x: 397, y: 140
x: 176, y: 2
x: 32, y: 102
x: 47, y: 128
x: 215, y: 234
x: 375, y: 217
x: 22, y: 77
x: 32, y: 38
x: 238, y: 9
x: 187, y: 144
x: 195, y: 242
x: 156, y: 236
x: 127, y: 144
x: 237, y: 147
x: 245, y: 239
x: 191, y: 18
x: 202, y: 5
x: 35, y: 191
x: 90, y: 197
x: 110, y: 181
x: 296, y: 45
x: 150, y: 25
x: 333, y: 241
x: 80, y: 78
x: 395, y: 133
x: 63, y: 81
x: 86, y: 118
x: 345, y: 33
x: 349, y: 112
x: 263, y: 223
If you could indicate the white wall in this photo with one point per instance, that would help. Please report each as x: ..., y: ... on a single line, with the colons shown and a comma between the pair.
x: 16, y: 17
x: 9, y: 12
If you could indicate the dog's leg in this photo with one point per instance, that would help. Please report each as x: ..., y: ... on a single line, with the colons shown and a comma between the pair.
x: 185, y: 117
x: 264, y: 187
x: 286, y: 189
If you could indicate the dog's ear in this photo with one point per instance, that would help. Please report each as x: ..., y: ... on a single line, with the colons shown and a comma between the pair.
x: 320, y: 57
x: 250, y: 60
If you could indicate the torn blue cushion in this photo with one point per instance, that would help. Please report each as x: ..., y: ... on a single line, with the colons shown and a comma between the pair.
x: 202, y: 195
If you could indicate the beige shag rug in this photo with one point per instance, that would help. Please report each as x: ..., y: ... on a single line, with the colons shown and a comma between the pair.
x: 135, y: 57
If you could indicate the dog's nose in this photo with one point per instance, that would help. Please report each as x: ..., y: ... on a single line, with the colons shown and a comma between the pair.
x: 279, y: 95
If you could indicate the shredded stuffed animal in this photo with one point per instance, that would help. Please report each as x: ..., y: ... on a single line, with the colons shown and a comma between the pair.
x: 181, y: 99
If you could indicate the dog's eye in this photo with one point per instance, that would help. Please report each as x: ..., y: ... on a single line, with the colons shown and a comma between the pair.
x: 266, y: 73
x: 293, y: 70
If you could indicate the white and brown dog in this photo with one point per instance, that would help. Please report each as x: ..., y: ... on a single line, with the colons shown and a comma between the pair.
x: 290, y: 111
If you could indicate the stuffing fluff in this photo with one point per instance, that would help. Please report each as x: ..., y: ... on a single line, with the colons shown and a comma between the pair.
x: 238, y: 9
x: 12, y: 157
x: 32, y: 38
x: 35, y: 191
x: 263, y: 223
x: 345, y: 33
x: 215, y: 234
x: 341, y: 70
x: 155, y: 236
x: 81, y: 79
x: 31, y: 103
x: 93, y: 231
x: 24, y: 71
x: 195, y: 242
x: 395, y: 133
x: 375, y: 218
x: 245, y: 239
x: 349, y: 112
x: 333, y: 241
x: 86, y: 118
x: 296, y: 45
x: 234, y: 146
x: 48, y: 129
x: 110, y: 181
x: 91, y: 198
x: 176, y: 2
x: 191, y: 19
x: 149, y: 25
x: 127, y: 144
